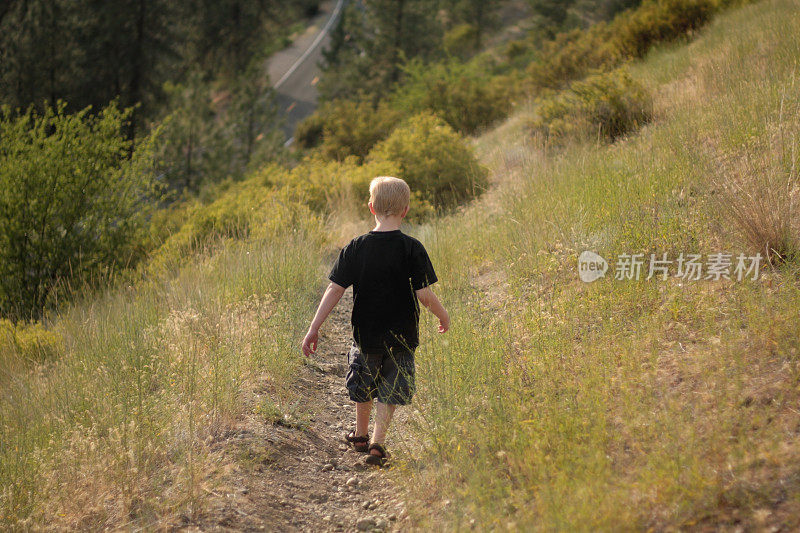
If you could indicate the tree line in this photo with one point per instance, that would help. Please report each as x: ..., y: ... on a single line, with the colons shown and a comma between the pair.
x: 89, y: 52
x: 376, y: 38
x: 109, y: 109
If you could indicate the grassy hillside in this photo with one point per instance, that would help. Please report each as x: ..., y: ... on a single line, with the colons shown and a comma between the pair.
x: 551, y: 404
x: 118, y: 428
x: 626, y: 404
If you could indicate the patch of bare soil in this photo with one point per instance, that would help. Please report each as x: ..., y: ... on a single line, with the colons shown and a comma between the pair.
x: 297, y: 473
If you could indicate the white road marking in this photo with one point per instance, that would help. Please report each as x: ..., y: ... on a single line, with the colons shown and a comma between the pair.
x: 311, y: 48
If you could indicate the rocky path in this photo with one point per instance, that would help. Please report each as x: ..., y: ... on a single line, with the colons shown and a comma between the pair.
x: 295, y: 473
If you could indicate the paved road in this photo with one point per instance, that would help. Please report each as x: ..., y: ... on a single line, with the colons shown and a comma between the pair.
x: 294, y: 71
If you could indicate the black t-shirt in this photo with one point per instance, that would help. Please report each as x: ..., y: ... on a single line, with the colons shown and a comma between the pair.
x: 385, y: 268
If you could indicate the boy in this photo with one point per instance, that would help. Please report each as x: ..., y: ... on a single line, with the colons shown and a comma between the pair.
x: 390, y: 272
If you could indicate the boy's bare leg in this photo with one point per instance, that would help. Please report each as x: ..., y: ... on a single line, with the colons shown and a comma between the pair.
x: 363, y: 410
x: 383, y: 417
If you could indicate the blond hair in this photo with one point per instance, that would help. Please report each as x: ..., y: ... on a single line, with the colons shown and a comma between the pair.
x: 389, y: 195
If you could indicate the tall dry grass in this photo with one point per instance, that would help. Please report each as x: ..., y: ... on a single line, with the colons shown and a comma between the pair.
x: 759, y: 186
x: 623, y: 405
x: 117, y: 429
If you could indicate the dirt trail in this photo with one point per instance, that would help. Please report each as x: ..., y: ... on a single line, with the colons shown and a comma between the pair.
x: 298, y: 475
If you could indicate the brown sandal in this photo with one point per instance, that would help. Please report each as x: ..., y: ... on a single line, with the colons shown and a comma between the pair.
x: 377, y: 460
x: 359, y: 444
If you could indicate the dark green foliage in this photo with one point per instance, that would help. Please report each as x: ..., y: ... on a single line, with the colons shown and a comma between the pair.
x: 190, y: 146
x: 345, y: 128
x: 461, y: 41
x: 344, y: 65
x: 375, y: 39
x: 468, y: 23
x: 553, y: 11
x: 562, y: 15
x: 228, y: 33
x: 607, y: 106
x: 225, y: 37
x: 575, y: 54
x: 663, y: 20
x: 309, y: 132
x: 72, y: 201
x: 214, y: 133
x: 372, y: 43
x: 585, y: 13
x: 34, y: 45
x: 463, y: 94
x: 88, y: 52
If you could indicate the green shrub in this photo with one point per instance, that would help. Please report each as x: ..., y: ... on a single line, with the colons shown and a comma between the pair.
x: 308, y: 132
x: 436, y: 161
x: 252, y: 208
x: 572, y: 55
x: 461, y: 40
x: 575, y: 54
x: 517, y: 54
x: 609, y: 105
x: 662, y: 20
x: 463, y: 94
x: 29, y: 342
x: 74, y: 200
x: 344, y: 128
x: 326, y: 186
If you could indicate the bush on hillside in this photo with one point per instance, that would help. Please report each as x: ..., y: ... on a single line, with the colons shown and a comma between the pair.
x: 28, y: 342
x: 269, y: 204
x: 436, y: 161
x: 460, y: 41
x: 74, y: 199
x: 308, y: 132
x: 607, y: 105
x: 326, y: 186
x: 252, y: 208
x: 659, y: 21
x: 344, y: 128
x: 573, y: 55
x: 463, y: 94
x: 440, y: 168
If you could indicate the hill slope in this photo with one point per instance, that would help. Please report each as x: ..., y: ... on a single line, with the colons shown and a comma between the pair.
x: 551, y: 404
x: 628, y: 404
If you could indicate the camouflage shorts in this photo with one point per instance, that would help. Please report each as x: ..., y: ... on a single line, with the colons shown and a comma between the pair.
x: 387, y: 375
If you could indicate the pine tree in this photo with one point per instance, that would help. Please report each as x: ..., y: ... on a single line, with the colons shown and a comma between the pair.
x: 480, y: 15
x: 35, y: 52
x: 381, y: 36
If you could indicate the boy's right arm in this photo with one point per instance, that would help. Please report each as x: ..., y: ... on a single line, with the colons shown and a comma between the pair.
x: 427, y: 298
x: 329, y: 300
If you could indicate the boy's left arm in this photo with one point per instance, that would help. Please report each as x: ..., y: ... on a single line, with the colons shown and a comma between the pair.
x: 329, y: 300
x: 428, y: 298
